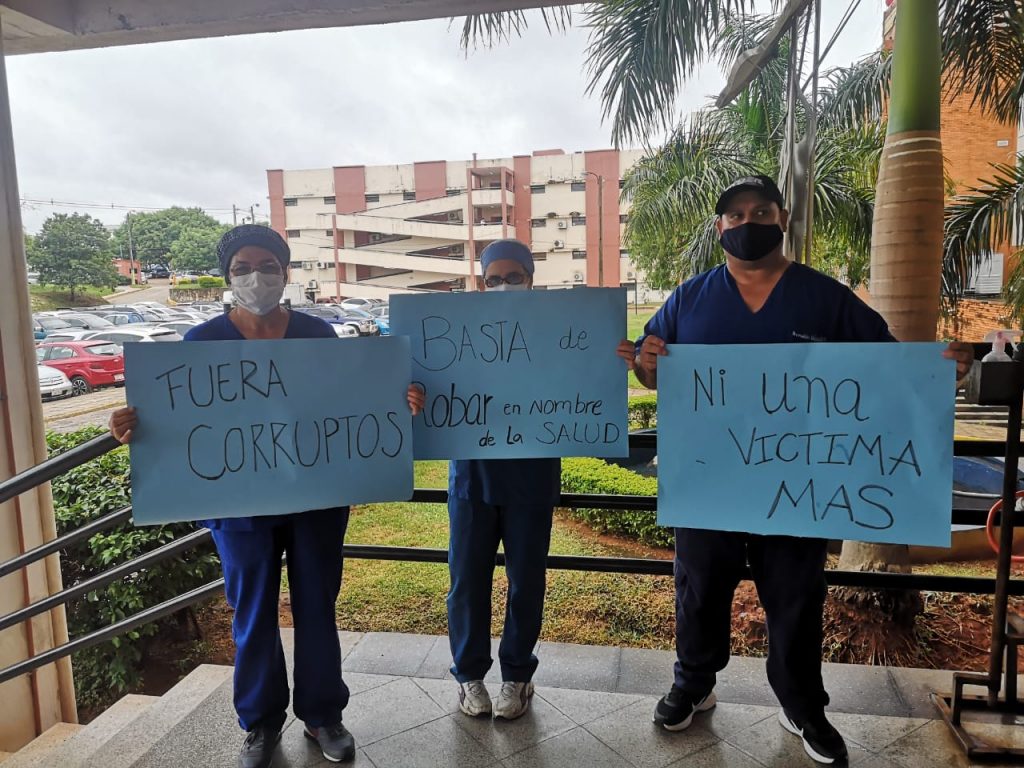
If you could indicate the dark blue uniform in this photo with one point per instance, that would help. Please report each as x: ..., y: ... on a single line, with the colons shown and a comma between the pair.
x: 492, y: 501
x: 805, y: 306
x: 250, y: 550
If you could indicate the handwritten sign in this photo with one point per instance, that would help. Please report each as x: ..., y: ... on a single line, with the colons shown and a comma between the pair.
x: 527, y: 374
x: 250, y: 428
x: 839, y: 441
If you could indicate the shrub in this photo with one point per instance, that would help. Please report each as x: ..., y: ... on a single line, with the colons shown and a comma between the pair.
x: 208, y: 281
x: 586, y: 475
x: 104, y: 672
x: 643, y: 411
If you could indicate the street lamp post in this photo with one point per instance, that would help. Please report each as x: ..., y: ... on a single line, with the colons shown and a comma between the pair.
x: 600, y: 226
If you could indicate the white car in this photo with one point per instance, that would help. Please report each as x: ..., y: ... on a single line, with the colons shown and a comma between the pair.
x: 127, y: 334
x: 53, y: 383
x: 71, y: 334
x: 358, y: 303
x: 180, y: 327
x: 345, y: 331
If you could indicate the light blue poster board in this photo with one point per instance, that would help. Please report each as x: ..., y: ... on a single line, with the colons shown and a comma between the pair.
x: 250, y: 428
x: 517, y: 374
x: 837, y: 441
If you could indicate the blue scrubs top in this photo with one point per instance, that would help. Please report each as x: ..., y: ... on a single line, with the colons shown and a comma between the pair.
x: 805, y: 305
x: 220, y: 328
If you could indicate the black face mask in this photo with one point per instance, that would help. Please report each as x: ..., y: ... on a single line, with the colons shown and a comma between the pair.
x: 750, y: 242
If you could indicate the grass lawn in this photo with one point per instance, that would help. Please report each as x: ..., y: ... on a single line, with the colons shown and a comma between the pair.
x: 604, y: 609
x: 48, y: 297
x: 634, y: 330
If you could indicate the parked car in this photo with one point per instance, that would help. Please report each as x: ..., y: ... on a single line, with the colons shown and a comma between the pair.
x: 88, y: 320
x: 123, y: 318
x: 71, y: 334
x: 181, y: 327
x: 38, y: 332
x: 345, y: 331
x: 88, y: 364
x: 381, y: 321
x: 53, y: 383
x: 138, y: 333
x: 336, y: 315
x: 50, y: 323
x: 357, y: 303
x: 160, y: 273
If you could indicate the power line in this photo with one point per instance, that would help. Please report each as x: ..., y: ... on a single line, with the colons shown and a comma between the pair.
x: 30, y: 201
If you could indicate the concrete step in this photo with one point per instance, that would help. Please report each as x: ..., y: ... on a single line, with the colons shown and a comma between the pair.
x: 78, y: 751
x: 37, y: 753
x: 138, y: 735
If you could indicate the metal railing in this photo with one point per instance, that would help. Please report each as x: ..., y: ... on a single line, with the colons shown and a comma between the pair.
x: 57, y: 465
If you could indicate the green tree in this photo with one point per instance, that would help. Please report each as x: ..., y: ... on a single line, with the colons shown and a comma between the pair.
x: 195, y: 250
x: 73, y: 250
x: 153, y: 234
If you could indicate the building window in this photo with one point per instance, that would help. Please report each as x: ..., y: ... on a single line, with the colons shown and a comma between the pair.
x: 540, y: 257
x: 623, y: 218
x: 578, y: 254
x: 291, y: 232
x: 496, y: 184
x: 329, y: 200
x: 579, y: 221
x: 329, y: 233
x: 579, y: 186
x: 373, y: 198
x: 538, y: 223
x: 623, y: 254
x: 452, y: 192
x: 622, y: 183
x: 538, y: 189
x: 407, y: 196
x: 309, y: 265
x: 291, y: 201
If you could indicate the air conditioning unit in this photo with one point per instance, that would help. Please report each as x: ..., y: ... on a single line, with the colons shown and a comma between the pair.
x: 454, y: 215
x: 456, y: 250
x: 630, y: 275
x: 577, y: 277
x: 559, y: 244
x: 311, y: 285
x: 551, y: 214
x: 562, y: 225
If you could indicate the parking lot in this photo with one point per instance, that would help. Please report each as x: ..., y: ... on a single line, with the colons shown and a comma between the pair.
x: 73, y: 413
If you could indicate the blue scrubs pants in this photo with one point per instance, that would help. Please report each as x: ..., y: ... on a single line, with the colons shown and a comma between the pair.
x: 475, y: 531
x: 252, y: 572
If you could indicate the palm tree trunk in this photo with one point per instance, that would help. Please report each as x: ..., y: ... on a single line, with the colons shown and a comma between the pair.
x: 906, y: 238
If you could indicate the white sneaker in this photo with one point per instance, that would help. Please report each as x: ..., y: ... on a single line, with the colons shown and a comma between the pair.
x: 514, y: 700
x: 474, y: 700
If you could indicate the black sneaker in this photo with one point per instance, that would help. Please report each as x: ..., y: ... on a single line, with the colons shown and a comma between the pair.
x: 335, y: 742
x: 821, y: 740
x: 676, y: 709
x: 258, y: 748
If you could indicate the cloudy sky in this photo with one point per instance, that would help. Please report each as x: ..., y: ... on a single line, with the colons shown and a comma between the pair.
x: 198, y: 122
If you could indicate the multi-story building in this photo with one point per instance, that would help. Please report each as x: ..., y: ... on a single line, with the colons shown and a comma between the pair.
x: 376, y: 230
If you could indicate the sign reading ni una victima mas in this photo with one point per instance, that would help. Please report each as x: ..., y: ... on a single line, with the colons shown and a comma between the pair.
x: 838, y: 441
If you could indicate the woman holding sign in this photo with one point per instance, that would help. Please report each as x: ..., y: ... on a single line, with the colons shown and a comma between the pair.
x: 254, y: 260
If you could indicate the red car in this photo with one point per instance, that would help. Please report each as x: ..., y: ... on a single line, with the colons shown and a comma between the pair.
x: 89, y: 364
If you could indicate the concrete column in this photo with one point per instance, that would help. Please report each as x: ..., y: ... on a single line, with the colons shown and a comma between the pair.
x: 32, y: 703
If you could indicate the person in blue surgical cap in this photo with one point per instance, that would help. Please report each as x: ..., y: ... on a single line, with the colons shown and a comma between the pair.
x: 500, y: 500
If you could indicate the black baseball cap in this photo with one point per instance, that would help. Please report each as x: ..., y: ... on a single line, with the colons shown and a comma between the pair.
x: 763, y: 185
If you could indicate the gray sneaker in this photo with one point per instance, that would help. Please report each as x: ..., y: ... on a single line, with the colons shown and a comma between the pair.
x: 336, y: 743
x: 258, y: 748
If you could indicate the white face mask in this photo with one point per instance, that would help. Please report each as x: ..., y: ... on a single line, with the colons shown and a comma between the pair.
x: 508, y: 287
x: 257, y: 293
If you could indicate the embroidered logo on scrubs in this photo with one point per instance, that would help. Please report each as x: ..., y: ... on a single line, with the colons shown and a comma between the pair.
x: 808, y: 337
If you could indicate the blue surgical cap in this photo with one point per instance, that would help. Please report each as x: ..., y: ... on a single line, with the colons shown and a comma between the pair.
x: 507, y: 249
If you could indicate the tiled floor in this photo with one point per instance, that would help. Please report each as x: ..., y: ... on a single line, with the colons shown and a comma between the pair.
x: 601, y: 720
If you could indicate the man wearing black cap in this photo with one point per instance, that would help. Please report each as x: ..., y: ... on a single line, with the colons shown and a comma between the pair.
x: 757, y: 296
